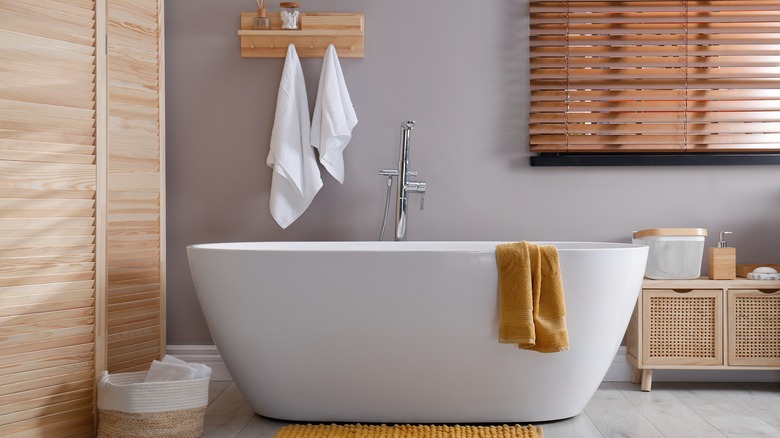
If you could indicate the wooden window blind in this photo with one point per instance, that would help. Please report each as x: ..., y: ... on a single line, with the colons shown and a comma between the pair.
x: 617, y: 76
x: 47, y: 217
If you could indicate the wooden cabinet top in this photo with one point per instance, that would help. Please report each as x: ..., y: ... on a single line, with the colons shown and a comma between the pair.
x: 706, y: 283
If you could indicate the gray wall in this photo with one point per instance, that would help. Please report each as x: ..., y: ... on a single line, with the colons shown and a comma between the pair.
x: 460, y: 70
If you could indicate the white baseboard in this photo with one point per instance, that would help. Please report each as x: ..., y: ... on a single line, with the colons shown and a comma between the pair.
x: 206, y: 354
x: 619, y: 371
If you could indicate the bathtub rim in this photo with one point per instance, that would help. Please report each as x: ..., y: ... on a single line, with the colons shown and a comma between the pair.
x: 455, y: 246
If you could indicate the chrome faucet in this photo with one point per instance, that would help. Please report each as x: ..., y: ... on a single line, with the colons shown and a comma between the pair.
x: 405, y: 186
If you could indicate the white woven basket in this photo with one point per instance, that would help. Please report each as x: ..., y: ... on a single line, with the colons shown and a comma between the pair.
x: 131, y: 408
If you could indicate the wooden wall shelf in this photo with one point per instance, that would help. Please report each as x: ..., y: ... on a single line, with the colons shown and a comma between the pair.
x: 317, y: 29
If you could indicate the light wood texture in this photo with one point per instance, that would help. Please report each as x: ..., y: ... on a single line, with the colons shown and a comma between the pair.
x: 670, y: 232
x: 722, y: 263
x: 705, y: 283
x: 610, y: 76
x: 135, y: 186
x: 317, y: 30
x: 48, y: 128
x: 78, y: 172
x: 708, y: 324
x: 647, y: 379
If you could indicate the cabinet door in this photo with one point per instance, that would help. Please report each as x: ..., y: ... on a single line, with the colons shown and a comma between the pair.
x: 754, y: 327
x: 682, y: 327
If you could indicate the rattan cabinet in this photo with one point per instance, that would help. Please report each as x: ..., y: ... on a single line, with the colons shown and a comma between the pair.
x: 704, y: 324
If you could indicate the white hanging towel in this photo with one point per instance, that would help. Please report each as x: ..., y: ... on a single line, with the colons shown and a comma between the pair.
x: 296, y: 176
x: 334, y: 117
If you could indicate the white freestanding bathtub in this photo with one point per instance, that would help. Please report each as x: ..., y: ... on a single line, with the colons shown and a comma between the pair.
x: 405, y: 332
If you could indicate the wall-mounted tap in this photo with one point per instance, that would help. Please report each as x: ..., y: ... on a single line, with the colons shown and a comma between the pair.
x: 405, y: 186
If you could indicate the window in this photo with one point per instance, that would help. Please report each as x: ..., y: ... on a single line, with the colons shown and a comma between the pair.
x: 625, y: 76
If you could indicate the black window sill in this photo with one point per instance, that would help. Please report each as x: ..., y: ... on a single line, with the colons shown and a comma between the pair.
x: 659, y: 159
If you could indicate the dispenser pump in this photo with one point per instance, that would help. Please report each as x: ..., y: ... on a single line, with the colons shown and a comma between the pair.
x: 722, y: 260
x: 722, y: 242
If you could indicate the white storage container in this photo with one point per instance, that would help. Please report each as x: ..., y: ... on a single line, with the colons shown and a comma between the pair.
x: 129, y: 407
x: 674, y: 254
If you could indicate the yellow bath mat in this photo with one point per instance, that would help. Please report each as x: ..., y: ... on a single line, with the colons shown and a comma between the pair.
x: 407, y: 431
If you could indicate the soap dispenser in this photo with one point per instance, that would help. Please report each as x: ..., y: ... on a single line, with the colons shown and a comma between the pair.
x: 722, y: 260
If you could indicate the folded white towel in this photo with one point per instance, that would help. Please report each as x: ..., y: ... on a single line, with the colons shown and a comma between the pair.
x: 201, y: 370
x: 166, y: 371
x: 334, y: 117
x: 296, y: 177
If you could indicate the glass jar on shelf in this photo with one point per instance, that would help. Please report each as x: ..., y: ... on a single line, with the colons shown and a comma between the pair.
x: 290, y: 15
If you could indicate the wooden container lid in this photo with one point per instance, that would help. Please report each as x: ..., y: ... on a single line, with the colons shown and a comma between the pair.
x: 670, y: 232
x: 290, y: 5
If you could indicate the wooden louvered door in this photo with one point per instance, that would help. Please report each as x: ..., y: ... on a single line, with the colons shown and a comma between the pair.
x: 47, y: 217
x: 135, y: 293
x: 81, y: 205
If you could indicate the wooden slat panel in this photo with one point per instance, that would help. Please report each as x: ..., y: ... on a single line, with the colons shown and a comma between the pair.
x: 35, y: 270
x: 134, y: 352
x: 49, y: 28
x: 43, y: 321
x: 151, y: 292
x: 10, y: 361
x: 138, y: 363
x: 134, y: 292
x: 37, y: 408
x: 64, y: 424
x: 50, y: 362
x: 48, y: 307
x: 44, y: 332
x: 53, y: 342
x: 42, y: 301
x: 133, y: 335
x: 13, y: 399
x: 65, y: 376
x: 43, y: 176
x: 151, y: 342
x: 48, y: 181
x: 11, y: 382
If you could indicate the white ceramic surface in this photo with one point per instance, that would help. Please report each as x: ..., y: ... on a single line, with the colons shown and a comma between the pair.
x: 401, y: 332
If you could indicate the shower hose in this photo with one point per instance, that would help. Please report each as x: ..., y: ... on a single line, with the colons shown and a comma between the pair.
x: 387, y: 207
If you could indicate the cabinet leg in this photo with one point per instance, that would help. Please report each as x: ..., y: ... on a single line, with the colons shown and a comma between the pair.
x: 636, y: 375
x: 647, y: 380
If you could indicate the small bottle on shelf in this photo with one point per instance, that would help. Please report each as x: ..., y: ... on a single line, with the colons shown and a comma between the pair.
x: 261, y: 22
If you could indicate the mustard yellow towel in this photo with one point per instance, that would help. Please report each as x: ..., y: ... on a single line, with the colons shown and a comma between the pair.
x: 532, y: 309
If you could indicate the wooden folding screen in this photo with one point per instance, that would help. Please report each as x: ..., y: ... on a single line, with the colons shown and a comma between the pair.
x: 47, y: 217
x: 135, y: 315
x: 81, y: 205
x: 662, y: 75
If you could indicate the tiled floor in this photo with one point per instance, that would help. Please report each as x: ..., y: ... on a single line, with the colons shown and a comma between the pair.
x: 618, y: 409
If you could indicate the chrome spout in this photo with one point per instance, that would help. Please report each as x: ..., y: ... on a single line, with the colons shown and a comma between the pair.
x: 401, y: 205
x: 405, y: 186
